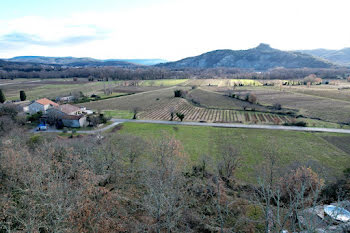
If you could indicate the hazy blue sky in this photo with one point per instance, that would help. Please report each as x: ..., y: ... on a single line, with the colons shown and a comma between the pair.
x: 169, y: 29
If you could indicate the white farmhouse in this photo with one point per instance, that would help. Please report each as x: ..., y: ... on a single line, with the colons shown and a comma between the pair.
x: 41, y: 105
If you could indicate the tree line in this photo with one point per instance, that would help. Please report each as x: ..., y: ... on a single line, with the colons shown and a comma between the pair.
x: 146, y: 73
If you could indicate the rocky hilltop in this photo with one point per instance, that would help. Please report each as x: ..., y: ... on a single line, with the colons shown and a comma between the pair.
x: 260, y: 58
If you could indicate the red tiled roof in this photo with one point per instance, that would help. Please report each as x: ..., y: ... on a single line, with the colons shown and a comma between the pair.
x: 45, y: 101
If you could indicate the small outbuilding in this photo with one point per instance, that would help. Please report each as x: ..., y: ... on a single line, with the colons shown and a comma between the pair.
x: 73, y: 121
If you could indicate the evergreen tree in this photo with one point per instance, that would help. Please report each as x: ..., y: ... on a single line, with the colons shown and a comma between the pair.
x: 22, y: 95
x: 2, y: 97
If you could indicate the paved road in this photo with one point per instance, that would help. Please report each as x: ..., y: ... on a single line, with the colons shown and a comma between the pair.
x: 222, y: 125
x: 227, y: 125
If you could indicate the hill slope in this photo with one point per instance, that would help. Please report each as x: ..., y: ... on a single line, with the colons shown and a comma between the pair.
x: 71, y: 61
x: 261, y: 58
x: 341, y: 57
x: 145, y: 62
x: 85, y: 61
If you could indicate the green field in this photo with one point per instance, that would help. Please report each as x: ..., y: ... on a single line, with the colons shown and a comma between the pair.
x: 163, y: 82
x: 290, y: 147
x: 120, y: 114
x: 223, y: 82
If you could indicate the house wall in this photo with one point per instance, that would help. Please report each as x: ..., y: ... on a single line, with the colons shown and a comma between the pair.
x: 53, y: 115
x: 71, y: 123
x: 74, y: 123
x: 82, y: 121
x: 46, y: 107
x: 36, y: 107
x: 26, y: 109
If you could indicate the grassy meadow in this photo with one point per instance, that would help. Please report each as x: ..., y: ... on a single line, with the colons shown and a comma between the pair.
x: 290, y: 147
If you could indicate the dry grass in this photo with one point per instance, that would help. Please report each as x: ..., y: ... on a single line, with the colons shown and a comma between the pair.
x: 326, y: 91
x: 52, y: 88
x: 142, y: 101
x: 211, y: 99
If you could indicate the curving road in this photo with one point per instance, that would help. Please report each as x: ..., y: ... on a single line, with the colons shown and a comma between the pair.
x: 229, y: 125
x: 222, y: 125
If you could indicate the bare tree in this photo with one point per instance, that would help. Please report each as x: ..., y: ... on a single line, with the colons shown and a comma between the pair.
x: 165, y: 199
x: 135, y: 111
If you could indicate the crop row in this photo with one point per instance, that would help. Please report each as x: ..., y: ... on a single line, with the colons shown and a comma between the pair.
x: 192, y: 113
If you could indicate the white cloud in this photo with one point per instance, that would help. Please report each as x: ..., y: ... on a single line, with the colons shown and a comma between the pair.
x: 176, y: 29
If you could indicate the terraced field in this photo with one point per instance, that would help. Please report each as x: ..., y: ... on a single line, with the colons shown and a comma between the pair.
x: 308, y: 105
x: 192, y: 113
x: 303, y: 101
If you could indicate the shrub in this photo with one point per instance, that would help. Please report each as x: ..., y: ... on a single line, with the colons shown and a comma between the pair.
x: 179, y: 94
x: 181, y: 116
x: 2, y: 97
x: 59, y: 124
x: 34, y: 140
x: 252, y: 98
x: 10, y: 110
x: 296, y: 123
x: 35, y: 117
x: 312, y: 78
x: 301, y: 180
x: 21, y: 119
x: 135, y: 111
x: 277, y: 106
x: 74, y: 131
x: 102, y: 118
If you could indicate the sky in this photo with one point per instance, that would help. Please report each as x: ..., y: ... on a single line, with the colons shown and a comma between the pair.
x: 167, y: 29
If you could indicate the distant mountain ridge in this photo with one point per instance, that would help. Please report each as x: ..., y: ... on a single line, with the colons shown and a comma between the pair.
x: 85, y: 61
x: 70, y: 61
x: 146, y: 62
x: 341, y: 56
x: 260, y: 58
